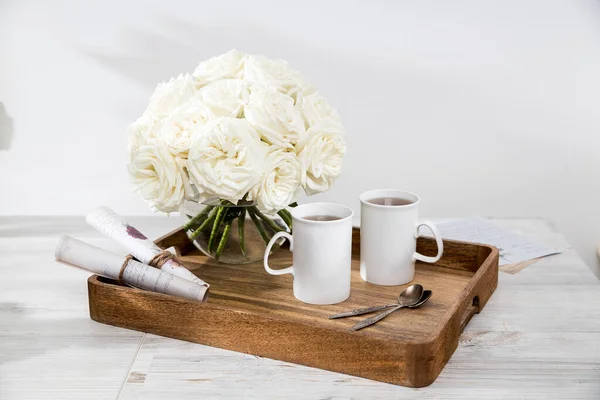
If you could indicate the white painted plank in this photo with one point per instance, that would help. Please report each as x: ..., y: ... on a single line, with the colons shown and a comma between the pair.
x: 64, y: 367
x: 49, y: 347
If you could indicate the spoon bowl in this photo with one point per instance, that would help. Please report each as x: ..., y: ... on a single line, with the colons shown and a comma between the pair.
x: 411, y: 295
x: 426, y: 296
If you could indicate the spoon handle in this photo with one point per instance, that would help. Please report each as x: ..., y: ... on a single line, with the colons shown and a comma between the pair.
x: 370, y: 321
x: 361, y: 311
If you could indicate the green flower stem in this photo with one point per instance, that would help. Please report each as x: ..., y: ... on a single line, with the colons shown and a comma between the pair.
x: 197, y: 220
x: 287, y: 217
x: 215, y: 228
x: 205, y: 224
x: 270, y: 223
x: 224, y: 238
x: 259, y: 225
x: 288, y: 213
x: 241, y: 223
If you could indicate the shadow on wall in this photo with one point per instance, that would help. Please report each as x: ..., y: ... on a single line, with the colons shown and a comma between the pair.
x: 6, y: 128
x: 174, y: 46
x: 150, y: 57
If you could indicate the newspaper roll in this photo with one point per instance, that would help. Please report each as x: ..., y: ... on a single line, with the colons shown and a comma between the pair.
x: 109, y: 265
x: 111, y: 224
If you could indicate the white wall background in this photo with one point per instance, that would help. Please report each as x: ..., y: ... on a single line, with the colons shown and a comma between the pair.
x: 483, y: 107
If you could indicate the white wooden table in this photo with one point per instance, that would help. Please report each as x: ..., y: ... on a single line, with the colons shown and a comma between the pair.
x: 537, y: 338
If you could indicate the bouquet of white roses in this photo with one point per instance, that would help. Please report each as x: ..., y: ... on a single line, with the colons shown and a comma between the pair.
x: 241, y: 128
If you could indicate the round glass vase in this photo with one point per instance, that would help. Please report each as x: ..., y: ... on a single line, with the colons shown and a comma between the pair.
x: 231, y: 233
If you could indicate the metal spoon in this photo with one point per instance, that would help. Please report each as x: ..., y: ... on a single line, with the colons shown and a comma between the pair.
x: 426, y: 295
x: 370, y: 321
x: 361, y: 311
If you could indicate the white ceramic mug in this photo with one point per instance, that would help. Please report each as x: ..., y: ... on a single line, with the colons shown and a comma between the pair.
x: 322, y: 253
x: 388, y: 238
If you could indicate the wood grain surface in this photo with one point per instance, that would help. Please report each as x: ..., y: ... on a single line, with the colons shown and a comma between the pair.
x: 252, y: 312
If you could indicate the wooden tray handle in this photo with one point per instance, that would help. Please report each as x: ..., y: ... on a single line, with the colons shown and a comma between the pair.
x: 471, y: 310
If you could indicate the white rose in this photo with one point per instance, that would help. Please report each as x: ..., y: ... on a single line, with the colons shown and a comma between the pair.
x: 315, y: 110
x: 176, y: 130
x: 226, y: 158
x: 225, y: 98
x: 228, y: 65
x: 279, y: 182
x: 157, y: 176
x: 141, y: 132
x: 169, y: 95
x: 274, y: 117
x: 262, y: 71
x: 321, y: 157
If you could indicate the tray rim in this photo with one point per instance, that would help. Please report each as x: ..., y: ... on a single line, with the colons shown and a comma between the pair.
x: 427, y: 340
x: 412, y: 362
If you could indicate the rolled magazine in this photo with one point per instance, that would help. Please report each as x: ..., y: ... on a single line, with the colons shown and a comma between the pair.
x: 110, y: 224
x: 127, y: 270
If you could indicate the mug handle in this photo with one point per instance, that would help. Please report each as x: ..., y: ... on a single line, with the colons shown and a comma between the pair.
x: 438, y: 241
x: 288, y: 270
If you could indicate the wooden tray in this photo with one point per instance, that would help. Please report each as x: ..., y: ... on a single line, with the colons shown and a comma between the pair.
x: 253, y: 312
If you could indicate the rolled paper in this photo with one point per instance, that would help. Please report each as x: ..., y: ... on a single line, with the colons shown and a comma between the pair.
x: 111, y: 224
x: 129, y: 271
